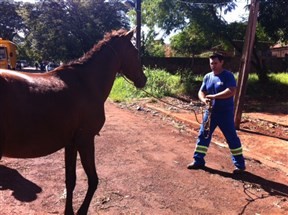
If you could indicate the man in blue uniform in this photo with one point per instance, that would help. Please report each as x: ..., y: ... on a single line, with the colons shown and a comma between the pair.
x: 218, y: 88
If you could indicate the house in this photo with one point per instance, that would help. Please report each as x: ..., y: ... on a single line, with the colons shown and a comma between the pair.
x: 279, y: 50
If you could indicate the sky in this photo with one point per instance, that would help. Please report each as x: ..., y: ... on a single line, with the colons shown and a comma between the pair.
x: 239, y: 11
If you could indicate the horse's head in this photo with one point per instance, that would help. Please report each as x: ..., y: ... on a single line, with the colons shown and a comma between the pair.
x: 130, y: 62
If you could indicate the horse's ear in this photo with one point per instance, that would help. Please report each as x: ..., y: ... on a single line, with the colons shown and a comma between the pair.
x: 130, y: 33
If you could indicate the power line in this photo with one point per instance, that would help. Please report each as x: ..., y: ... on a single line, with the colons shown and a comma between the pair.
x: 208, y: 3
x: 201, y: 3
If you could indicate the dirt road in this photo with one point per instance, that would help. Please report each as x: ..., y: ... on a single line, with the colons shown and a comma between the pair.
x: 141, y: 160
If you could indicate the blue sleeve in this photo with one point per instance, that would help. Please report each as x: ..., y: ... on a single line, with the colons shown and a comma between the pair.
x: 203, y: 87
x: 230, y: 80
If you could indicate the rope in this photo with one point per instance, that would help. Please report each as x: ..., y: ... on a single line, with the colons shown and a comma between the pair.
x: 206, y: 124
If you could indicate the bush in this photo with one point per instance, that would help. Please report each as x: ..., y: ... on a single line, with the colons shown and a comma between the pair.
x: 191, y: 83
x: 159, y: 83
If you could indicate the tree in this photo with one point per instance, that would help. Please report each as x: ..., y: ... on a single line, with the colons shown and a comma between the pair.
x: 170, y: 15
x: 10, y: 22
x: 177, y: 15
x: 185, y: 16
x: 273, y: 18
x: 65, y: 29
x: 191, y: 41
x: 151, y: 46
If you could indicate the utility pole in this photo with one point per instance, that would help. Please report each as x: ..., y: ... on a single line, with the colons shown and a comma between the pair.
x: 136, y: 5
x: 138, y: 24
x: 245, y: 62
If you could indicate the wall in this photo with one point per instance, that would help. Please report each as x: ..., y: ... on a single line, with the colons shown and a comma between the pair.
x: 201, y: 65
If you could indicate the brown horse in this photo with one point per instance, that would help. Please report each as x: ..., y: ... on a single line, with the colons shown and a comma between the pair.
x: 64, y: 108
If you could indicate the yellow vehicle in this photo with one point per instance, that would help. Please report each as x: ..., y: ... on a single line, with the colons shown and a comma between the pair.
x: 7, y: 54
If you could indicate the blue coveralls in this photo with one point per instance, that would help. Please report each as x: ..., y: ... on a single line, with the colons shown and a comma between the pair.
x: 222, y: 115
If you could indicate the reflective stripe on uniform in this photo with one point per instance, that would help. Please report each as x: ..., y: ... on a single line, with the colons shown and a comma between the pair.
x: 201, y: 149
x: 237, y: 151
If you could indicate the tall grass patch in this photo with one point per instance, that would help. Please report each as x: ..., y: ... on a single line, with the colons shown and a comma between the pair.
x: 191, y: 83
x: 159, y: 83
x: 275, y: 89
x: 281, y: 78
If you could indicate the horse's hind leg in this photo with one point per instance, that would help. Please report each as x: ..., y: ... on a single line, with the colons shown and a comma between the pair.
x: 86, y: 150
x: 70, y: 172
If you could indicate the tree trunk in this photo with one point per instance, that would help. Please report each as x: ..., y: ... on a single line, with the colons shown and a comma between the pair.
x: 260, y: 66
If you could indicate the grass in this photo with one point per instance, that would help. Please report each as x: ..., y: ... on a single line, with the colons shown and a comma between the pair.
x: 160, y: 83
x: 275, y: 90
x: 281, y: 78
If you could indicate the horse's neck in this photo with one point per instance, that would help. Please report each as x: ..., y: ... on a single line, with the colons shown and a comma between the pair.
x: 105, y: 83
x: 103, y: 78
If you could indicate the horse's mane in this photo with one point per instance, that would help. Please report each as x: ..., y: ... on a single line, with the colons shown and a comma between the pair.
x: 97, y: 47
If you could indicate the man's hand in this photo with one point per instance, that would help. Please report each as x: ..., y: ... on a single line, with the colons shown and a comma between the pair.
x: 207, y: 101
x: 210, y: 97
x: 203, y: 98
x: 228, y: 92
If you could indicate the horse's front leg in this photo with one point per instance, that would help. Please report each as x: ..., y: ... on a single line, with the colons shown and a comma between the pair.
x: 70, y: 173
x: 86, y: 150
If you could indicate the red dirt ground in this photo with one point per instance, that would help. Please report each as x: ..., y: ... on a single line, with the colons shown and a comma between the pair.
x: 141, y: 159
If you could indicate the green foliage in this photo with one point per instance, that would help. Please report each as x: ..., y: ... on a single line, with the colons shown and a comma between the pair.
x: 273, y: 17
x: 281, y: 78
x: 160, y: 83
x: 191, y: 41
x: 261, y: 34
x: 177, y: 15
x: 191, y: 83
x: 200, y: 25
x: 171, y: 15
x: 149, y: 12
x: 152, y: 47
x: 275, y: 89
x: 64, y: 30
x: 123, y: 90
x: 10, y: 22
x: 157, y: 49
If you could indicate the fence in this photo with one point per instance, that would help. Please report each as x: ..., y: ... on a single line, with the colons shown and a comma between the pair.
x: 201, y: 65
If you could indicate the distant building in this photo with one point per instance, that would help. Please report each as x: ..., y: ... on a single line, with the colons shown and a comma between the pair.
x: 279, y: 50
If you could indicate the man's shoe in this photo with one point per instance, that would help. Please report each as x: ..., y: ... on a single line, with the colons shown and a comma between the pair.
x: 195, y: 165
x: 239, y: 170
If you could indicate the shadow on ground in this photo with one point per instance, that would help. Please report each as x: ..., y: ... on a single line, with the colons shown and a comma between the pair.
x: 253, y: 182
x: 23, y: 189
